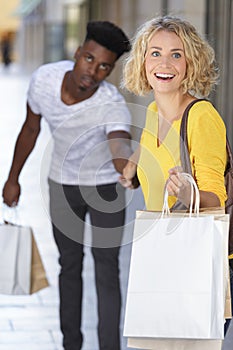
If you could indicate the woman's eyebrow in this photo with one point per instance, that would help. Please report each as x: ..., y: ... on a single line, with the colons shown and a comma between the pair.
x: 160, y: 48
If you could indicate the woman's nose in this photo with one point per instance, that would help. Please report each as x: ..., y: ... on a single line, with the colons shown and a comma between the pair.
x: 165, y: 61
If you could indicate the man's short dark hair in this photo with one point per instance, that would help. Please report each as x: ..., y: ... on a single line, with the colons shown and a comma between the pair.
x: 108, y: 35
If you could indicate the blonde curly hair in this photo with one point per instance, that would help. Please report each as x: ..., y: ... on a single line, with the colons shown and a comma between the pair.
x: 202, y: 71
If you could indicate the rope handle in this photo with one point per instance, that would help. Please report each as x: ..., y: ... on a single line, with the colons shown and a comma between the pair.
x: 194, y: 188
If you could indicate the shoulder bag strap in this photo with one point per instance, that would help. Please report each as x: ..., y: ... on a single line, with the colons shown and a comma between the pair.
x: 230, y: 157
x: 184, y: 153
x: 185, y: 157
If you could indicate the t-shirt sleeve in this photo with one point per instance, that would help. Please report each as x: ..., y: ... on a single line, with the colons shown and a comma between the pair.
x: 116, y: 114
x: 32, y: 94
x: 118, y: 119
x: 207, y: 147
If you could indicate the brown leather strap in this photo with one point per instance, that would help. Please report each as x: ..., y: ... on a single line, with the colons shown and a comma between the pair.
x: 184, y: 153
x: 230, y: 157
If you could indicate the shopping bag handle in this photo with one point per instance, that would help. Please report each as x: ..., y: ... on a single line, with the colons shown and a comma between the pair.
x: 194, y: 188
x: 13, y: 218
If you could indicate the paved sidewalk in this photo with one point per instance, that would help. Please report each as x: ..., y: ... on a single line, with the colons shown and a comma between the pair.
x: 32, y: 322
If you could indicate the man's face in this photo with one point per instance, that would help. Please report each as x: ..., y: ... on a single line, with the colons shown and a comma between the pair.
x: 93, y: 64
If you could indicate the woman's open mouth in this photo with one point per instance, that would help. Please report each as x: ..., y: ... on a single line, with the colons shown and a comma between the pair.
x: 164, y: 76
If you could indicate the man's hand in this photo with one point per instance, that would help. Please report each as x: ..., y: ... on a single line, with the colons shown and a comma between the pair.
x: 132, y: 183
x: 119, y: 144
x: 129, y: 178
x: 11, y: 193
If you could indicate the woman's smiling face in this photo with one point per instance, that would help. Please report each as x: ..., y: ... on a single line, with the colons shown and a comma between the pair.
x: 165, y: 62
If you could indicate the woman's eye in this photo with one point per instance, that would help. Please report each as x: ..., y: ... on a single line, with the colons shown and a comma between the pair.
x: 155, y: 54
x: 176, y: 55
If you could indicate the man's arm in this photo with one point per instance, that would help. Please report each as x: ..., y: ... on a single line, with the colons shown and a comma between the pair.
x: 119, y: 143
x: 129, y: 177
x: 24, y: 145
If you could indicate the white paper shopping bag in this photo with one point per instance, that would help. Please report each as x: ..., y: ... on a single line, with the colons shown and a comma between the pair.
x: 177, y: 282
x: 15, y: 242
x: 174, y: 344
x: 21, y: 268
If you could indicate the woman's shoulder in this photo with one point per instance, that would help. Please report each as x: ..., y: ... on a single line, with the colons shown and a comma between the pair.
x: 205, y: 126
x: 204, y: 113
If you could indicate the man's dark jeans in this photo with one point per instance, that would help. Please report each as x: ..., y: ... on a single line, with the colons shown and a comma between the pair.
x: 106, y: 206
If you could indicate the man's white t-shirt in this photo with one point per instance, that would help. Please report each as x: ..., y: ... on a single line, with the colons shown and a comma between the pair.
x: 81, y: 154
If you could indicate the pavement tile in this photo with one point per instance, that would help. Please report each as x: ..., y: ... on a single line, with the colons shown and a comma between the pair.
x: 22, y: 312
x: 35, y: 323
x: 18, y: 337
x: 49, y: 296
x: 89, y: 339
x: 5, y: 325
x: 10, y: 300
x: 30, y: 346
x: 57, y: 336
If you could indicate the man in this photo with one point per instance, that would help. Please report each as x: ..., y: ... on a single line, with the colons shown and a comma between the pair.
x: 89, y: 123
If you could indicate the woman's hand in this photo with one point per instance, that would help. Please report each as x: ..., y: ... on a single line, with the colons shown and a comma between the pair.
x: 129, y: 179
x: 178, y: 186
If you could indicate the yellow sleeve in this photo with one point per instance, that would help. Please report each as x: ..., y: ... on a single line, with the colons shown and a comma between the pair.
x: 207, y: 147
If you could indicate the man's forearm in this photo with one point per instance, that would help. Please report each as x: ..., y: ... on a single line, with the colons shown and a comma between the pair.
x: 24, y: 146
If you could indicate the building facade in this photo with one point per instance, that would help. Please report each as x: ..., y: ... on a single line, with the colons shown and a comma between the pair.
x: 9, y: 26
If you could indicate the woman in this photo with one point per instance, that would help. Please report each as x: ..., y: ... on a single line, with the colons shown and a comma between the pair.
x: 169, y: 57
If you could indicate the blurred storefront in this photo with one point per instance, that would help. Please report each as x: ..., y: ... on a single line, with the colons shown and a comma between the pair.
x: 52, y: 30
x: 9, y: 24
